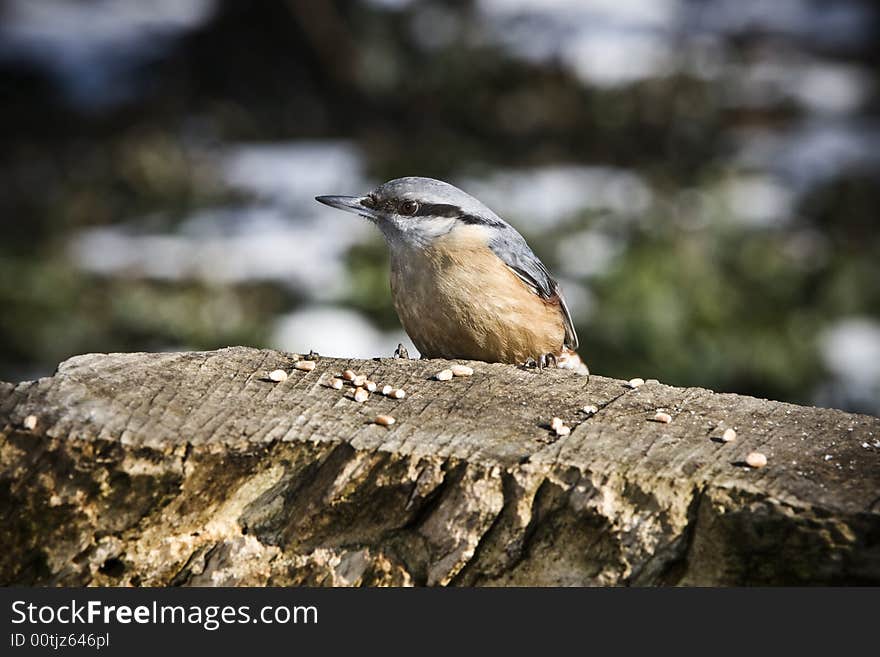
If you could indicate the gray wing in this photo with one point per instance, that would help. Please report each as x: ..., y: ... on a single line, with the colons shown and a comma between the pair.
x: 512, y: 248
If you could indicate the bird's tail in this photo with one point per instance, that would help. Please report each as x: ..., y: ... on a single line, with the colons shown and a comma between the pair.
x: 569, y: 360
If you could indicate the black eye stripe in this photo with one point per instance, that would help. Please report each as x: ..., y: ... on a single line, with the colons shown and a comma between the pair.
x: 438, y: 210
x: 448, y: 210
x: 477, y: 220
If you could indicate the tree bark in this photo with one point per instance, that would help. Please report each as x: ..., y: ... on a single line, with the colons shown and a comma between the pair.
x: 196, y: 469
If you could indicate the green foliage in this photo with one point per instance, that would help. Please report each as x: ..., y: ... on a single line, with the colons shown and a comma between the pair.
x: 53, y: 312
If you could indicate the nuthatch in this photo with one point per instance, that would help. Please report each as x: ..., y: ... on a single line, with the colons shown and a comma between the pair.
x: 464, y: 282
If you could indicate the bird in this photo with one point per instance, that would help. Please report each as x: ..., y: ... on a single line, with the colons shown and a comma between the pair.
x: 465, y: 284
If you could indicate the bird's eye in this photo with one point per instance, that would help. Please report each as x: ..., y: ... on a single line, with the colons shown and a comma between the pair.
x: 409, y: 208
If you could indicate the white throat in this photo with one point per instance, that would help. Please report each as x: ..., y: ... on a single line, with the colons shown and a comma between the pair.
x: 417, y: 232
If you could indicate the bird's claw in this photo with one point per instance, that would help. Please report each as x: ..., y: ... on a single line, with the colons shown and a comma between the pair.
x: 546, y: 360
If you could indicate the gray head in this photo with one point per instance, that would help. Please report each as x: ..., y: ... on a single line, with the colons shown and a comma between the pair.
x: 416, y: 210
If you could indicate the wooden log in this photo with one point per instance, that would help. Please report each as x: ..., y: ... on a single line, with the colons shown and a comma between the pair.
x: 197, y: 469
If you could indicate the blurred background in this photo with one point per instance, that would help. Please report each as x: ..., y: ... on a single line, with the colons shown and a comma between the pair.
x: 702, y: 177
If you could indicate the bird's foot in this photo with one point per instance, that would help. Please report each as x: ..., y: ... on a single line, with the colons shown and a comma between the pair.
x: 545, y: 360
x: 401, y: 351
x: 565, y: 360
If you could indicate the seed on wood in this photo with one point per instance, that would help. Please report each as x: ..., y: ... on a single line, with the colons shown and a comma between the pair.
x: 462, y: 370
x: 370, y: 386
x: 399, y: 393
x: 756, y: 460
x: 359, y: 380
x: 556, y: 422
x: 349, y: 375
x: 590, y: 409
x: 444, y: 375
x: 387, y: 390
x: 30, y: 422
x: 728, y: 436
x: 662, y: 416
x: 361, y: 395
x: 563, y: 430
x: 305, y: 365
x: 336, y: 384
x: 385, y: 420
x: 635, y: 383
x: 278, y: 376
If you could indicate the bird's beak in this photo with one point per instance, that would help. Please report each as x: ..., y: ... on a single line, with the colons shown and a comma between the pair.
x: 348, y: 204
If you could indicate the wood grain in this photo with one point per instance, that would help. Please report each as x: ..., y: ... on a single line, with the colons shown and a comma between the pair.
x: 194, y: 468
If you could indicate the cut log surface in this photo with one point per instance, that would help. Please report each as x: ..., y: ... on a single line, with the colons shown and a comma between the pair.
x: 197, y: 469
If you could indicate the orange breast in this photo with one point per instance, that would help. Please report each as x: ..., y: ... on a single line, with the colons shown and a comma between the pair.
x: 457, y: 299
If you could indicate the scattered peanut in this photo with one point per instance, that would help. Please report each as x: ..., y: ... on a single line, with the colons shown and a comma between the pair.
x: 359, y: 380
x: 662, y: 416
x: 349, y: 375
x: 563, y: 431
x: 444, y: 375
x: 305, y: 365
x: 756, y: 460
x: 590, y: 409
x: 30, y: 422
x: 635, y: 383
x: 556, y: 422
x: 387, y: 390
x: 385, y: 420
x: 361, y: 395
x: 336, y: 384
x: 370, y: 386
x: 462, y: 370
x: 398, y: 394
x: 278, y: 376
x: 728, y: 436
